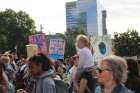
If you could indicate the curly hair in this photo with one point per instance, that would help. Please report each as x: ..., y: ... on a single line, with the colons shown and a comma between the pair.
x: 118, y: 66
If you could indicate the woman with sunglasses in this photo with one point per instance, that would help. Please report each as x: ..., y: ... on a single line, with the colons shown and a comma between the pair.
x: 111, y: 74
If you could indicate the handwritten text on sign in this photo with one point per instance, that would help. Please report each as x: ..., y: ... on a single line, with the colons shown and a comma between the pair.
x: 40, y: 40
x: 56, y: 49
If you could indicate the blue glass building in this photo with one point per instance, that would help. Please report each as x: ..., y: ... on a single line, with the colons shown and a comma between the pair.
x: 86, y: 15
x: 71, y: 15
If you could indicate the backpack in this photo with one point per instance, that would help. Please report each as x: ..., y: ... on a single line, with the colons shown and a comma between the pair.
x: 61, y: 86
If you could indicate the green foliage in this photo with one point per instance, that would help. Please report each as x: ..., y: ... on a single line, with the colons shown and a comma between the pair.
x: 14, y: 30
x: 127, y: 43
x: 61, y: 35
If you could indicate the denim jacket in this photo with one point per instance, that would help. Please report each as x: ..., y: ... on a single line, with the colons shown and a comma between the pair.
x: 118, y: 89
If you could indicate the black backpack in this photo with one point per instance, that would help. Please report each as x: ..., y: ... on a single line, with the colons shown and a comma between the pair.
x: 61, y: 86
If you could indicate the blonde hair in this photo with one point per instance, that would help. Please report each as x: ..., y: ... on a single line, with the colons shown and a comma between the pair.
x: 84, y: 39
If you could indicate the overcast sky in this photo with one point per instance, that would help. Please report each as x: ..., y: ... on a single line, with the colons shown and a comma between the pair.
x: 121, y: 14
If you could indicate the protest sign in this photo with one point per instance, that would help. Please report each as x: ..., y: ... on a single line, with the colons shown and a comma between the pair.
x: 102, y: 46
x: 56, y: 48
x: 40, y: 41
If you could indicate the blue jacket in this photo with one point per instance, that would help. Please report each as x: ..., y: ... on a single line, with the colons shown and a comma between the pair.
x: 118, y: 89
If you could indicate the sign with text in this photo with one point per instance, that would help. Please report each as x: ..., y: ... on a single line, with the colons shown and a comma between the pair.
x: 40, y: 41
x: 102, y: 46
x: 56, y: 48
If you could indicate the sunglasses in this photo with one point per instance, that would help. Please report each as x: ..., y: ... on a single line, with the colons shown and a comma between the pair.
x: 100, y: 70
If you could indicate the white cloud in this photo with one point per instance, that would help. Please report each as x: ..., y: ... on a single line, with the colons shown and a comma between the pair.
x: 121, y: 14
x: 49, y: 13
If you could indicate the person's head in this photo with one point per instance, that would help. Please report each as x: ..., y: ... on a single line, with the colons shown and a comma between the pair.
x: 59, y: 66
x: 75, y: 60
x: 132, y: 67
x: 61, y: 69
x: 5, y: 58
x: 38, y: 64
x: 82, y: 41
x: 112, y: 69
x: 23, y: 59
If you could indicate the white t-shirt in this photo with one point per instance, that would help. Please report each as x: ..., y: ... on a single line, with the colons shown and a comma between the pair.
x: 85, y: 58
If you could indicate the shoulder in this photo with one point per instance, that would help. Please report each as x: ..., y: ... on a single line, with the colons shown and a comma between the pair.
x: 47, y: 81
x: 125, y: 90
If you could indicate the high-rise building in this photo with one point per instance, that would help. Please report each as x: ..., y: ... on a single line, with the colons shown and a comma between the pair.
x: 71, y: 15
x: 89, y: 17
x: 104, y: 15
x: 87, y: 13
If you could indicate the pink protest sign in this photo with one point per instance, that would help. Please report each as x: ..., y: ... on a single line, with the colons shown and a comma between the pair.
x: 40, y: 41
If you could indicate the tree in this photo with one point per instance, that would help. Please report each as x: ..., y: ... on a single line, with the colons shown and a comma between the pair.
x: 15, y: 27
x: 127, y: 43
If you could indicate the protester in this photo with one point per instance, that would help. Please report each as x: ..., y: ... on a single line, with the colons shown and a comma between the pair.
x: 84, y: 52
x: 139, y: 66
x: 85, y: 66
x: 13, y: 59
x: 9, y: 72
x: 133, y: 81
x: 69, y: 64
x: 111, y: 74
x: 72, y: 73
x: 41, y: 69
x: 22, y: 74
x: 3, y: 79
x: 73, y: 69
x: 60, y: 69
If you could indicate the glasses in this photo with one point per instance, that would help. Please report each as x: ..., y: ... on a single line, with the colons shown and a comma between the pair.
x: 100, y: 70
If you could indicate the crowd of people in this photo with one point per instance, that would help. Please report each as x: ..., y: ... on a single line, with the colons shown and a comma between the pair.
x: 77, y: 74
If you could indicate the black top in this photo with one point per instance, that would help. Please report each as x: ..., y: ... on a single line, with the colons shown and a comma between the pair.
x: 91, y: 82
x: 133, y: 83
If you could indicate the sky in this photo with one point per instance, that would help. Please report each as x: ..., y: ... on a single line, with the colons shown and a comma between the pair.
x: 121, y: 14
